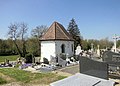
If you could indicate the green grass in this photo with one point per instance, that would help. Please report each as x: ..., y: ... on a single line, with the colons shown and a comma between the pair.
x: 2, y: 81
x: 28, y: 77
x: 10, y: 58
x: 17, y: 74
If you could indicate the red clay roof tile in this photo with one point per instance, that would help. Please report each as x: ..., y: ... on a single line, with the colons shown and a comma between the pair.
x: 56, y: 32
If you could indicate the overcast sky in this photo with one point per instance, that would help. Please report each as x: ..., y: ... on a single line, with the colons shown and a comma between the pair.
x: 96, y: 19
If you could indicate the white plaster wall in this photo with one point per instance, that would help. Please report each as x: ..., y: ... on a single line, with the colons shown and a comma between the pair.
x: 47, y: 49
x: 53, y: 48
x: 68, y: 47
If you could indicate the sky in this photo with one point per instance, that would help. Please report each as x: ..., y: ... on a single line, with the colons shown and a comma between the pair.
x: 96, y: 19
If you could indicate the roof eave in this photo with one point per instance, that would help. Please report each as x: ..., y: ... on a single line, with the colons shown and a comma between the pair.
x: 56, y: 40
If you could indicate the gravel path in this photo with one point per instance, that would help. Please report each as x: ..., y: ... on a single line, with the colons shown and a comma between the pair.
x: 22, y: 84
x: 71, y: 69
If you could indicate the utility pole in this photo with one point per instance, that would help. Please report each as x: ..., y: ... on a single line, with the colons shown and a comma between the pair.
x: 115, y: 37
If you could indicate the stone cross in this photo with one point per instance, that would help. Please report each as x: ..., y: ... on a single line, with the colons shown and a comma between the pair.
x: 98, y: 46
x: 92, y: 47
x: 115, y: 37
x: 98, y: 50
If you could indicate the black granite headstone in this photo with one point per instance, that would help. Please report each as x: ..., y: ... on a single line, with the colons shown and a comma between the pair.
x: 93, y: 68
x: 111, y: 58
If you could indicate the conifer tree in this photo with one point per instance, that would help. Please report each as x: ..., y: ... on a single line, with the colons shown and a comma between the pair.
x: 74, y: 31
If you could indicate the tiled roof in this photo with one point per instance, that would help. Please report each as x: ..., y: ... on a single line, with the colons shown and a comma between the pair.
x: 56, y: 32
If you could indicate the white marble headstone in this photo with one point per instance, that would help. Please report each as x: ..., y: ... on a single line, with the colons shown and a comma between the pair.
x: 78, y: 50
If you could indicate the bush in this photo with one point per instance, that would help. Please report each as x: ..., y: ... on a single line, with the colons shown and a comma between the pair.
x: 45, y: 60
x: 7, y: 53
x: 28, y: 58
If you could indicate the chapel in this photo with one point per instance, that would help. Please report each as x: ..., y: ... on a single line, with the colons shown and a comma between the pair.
x: 56, y: 41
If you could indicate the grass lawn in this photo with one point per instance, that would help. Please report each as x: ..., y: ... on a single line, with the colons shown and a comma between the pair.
x: 2, y: 81
x: 10, y: 58
x: 28, y: 77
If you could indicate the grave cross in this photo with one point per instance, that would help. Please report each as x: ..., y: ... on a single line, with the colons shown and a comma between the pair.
x: 115, y: 37
x: 92, y: 47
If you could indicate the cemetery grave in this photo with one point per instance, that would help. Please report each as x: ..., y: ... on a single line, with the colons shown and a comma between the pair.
x: 80, y: 79
x: 113, y: 61
x: 111, y: 58
x: 93, y: 68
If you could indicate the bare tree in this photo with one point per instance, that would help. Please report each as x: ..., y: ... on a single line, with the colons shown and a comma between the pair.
x: 14, y: 35
x: 37, y: 33
x: 18, y: 31
x: 23, y: 31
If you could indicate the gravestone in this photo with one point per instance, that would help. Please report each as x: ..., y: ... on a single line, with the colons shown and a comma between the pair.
x: 62, y: 62
x: 78, y: 50
x: 37, y: 59
x: 53, y: 60
x: 98, y: 50
x: 111, y: 58
x: 92, y: 47
x: 93, y: 68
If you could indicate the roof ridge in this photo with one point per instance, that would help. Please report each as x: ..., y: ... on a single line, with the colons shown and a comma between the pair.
x: 55, y: 29
x: 64, y: 32
x: 47, y: 30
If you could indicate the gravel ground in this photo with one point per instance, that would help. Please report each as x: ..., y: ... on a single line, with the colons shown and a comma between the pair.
x: 21, y: 84
x: 71, y: 69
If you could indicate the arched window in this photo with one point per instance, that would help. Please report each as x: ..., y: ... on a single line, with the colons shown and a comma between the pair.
x: 72, y: 47
x: 62, y: 48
